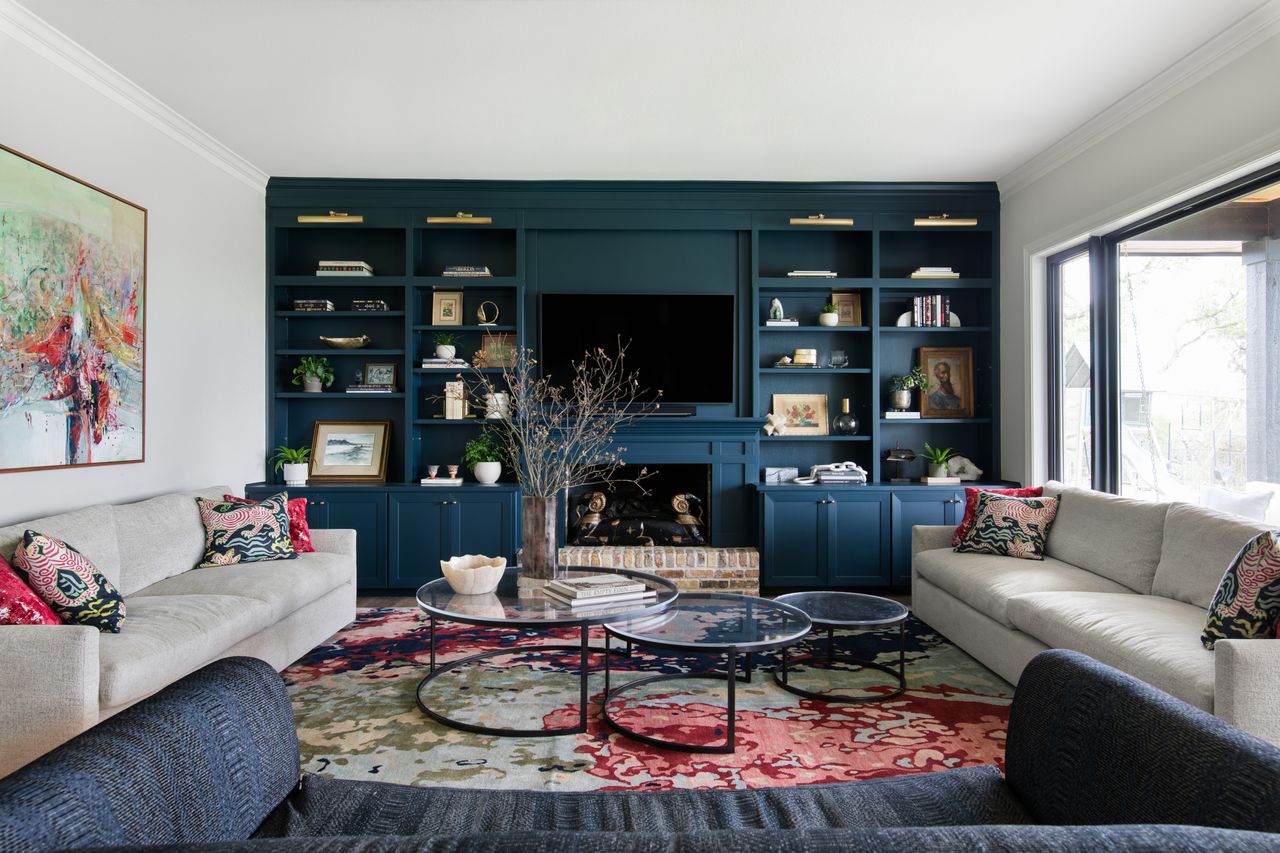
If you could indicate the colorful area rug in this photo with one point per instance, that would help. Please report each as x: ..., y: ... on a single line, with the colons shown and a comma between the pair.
x: 354, y: 700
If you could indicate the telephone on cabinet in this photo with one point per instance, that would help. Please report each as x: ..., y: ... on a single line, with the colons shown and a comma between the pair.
x: 835, y: 473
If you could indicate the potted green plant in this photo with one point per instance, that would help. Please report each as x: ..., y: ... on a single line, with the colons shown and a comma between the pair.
x: 936, y: 458
x: 829, y: 316
x: 901, y: 386
x: 483, y: 455
x: 294, y: 462
x: 313, y: 373
x: 445, y: 345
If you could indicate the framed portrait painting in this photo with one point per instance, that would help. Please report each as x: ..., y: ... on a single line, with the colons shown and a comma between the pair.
x: 805, y: 414
x: 73, y: 270
x: 350, y: 451
x: 949, y: 371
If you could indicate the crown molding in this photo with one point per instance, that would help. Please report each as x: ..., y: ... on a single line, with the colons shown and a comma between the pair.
x: 34, y: 33
x: 1240, y: 38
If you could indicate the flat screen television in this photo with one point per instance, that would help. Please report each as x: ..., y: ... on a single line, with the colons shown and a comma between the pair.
x: 680, y: 343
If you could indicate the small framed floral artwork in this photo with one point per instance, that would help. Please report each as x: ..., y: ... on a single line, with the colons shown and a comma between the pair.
x: 805, y: 414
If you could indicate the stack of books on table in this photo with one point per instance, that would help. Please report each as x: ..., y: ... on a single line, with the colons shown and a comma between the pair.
x: 369, y: 305
x: 935, y: 272
x: 369, y: 389
x: 444, y: 363
x: 598, y: 591
x: 312, y: 305
x: 343, y: 268
x: 466, y: 272
x: 932, y: 311
x: 811, y: 274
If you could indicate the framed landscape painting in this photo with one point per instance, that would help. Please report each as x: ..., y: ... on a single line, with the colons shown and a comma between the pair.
x: 350, y: 451
x: 73, y: 261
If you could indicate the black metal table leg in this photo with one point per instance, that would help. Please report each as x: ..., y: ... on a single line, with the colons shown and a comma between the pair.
x: 431, y: 641
x: 731, y: 728
x: 781, y: 675
x: 583, y: 675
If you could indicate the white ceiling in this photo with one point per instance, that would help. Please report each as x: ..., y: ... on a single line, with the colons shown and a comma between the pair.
x: 641, y: 89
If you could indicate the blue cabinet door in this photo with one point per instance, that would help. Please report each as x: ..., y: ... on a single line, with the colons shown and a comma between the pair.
x: 484, y: 523
x: 912, y: 507
x: 366, y: 514
x: 795, y: 539
x: 858, y: 539
x: 420, y: 536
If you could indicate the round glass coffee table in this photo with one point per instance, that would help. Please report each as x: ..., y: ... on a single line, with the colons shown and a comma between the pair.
x: 510, y: 607
x: 831, y: 610
x: 705, y: 623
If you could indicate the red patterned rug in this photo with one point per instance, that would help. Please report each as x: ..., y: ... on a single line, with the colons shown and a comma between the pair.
x: 354, y: 700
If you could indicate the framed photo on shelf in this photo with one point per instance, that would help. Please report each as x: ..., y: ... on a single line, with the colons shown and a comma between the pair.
x: 805, y: 414
x: 446, y: 308
x: 949, y: 371
x: 497, y: 350
x: 350, y: 451
x: 380, y: 373
x: 848, y: 307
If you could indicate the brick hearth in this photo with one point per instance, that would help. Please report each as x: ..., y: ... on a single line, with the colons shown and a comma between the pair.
x: 693, y: 568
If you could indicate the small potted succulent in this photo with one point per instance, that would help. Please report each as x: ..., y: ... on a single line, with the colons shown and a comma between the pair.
x: 900, y: 398
x: 936, y: 458
x: 829, y: 316
x: 313, y: 373
x: 294, y: 462
x: 483, y: 455
x: 445, y: 345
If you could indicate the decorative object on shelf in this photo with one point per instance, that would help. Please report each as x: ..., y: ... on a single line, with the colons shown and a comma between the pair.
x: 72, y: 320
x: 293, y: 460
x: 838, y: 359
x: 898, y: 455
x: 455, y: 400
x: 350, y: 451
x: 483, y: 455
x: 936, y: 459
x: 372, y: 306
x: 821, y: 219
x: 347, y: 343
x: 785, y: 361
x: 775, y: 424
x: 498, y: 350
x: 446, y: 350
x: 314, y: 373
x: 446, y: 308
x: 452, y: 469
x: 778, y: 476
x: 317, y: 306
x: 901, y: 387
x: 803, y: 414
x: 343, y: 268
x: 835, y: 474
x: 380, y: 373
x: 943, y: 219
x: 484, y: 316
x: 962, y: 467
x: 432, y: 470
x: 844, y: 423
x: 473, y: 574
x: 830, y: 315
x: 460, y: 271
x: 949, y: 373
x: 848, y: 308
x: 805, y: 356
x: 775, y: 310
x: 497, y: 405
x: 905, y: 320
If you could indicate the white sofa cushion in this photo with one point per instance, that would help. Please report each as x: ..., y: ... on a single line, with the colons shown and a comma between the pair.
x: 1152, y: 638
x: 91, y: 531
x: 1199, y: 544
x: 986, y: 582
x: 168, y: 636
x: 160, y: 537
x: 283, y: 585
x: 1118, y: 538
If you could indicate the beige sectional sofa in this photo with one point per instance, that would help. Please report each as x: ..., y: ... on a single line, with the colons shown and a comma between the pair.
x: 1127, y: 582
x: 58, y: 680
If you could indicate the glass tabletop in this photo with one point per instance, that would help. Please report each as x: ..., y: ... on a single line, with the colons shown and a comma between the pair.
x: 512, y: 607
x: 716, y: 621
x: 852, y: 609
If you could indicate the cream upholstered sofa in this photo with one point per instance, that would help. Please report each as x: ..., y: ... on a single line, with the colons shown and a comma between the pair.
x: 1125, y: 581
x: 58, y: 680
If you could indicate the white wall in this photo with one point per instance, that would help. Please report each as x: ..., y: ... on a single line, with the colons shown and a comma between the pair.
x: 1225, y: 125
x: 205, y: 307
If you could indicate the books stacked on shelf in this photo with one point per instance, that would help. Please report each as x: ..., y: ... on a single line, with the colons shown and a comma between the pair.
x: 369, y: 305
x: 444, y: 363
x: 895, y: 415
x: 931, y: 311
x: 935, y: 272
x: 440, y: 481
x: 312, y: 305
x: 940, y: 481
x: 790, y: 322
x: 811, y: 274
x: 854, y: 477
x: 343, y: 268
x: 369, y: 389
x: 466, y: 272
x: 592, y: 591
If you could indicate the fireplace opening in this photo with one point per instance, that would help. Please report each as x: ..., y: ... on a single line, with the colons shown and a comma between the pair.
x: 670, y: 506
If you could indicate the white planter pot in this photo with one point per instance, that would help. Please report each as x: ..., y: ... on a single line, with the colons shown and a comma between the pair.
x: 488, y: 472
x: 939, y: 470
x: 295, y: 474
x: 312, y: 385
x: 828, y: 319
x: 446, y: 351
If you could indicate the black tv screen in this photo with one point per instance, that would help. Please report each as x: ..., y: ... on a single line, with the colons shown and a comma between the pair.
x: 679, y: 343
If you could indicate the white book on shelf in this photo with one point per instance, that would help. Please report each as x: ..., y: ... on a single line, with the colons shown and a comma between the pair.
x: 901, y: 416
x: 940, y: 481
x: 322, y: 272
x: 441, y: 481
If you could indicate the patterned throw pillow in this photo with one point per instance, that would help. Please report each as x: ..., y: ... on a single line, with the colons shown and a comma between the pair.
x: 971, y: 506
x: 68, y: 582
x: 245, y: 533
x: 1010, y: 527
x: 1247, y: 604
x: 19, y: 605
x: 299, y: 531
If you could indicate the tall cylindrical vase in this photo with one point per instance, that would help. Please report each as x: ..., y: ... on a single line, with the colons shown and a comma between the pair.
x: 539, y: 560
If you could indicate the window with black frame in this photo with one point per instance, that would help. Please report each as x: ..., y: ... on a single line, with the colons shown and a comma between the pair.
x: 1071, y: 385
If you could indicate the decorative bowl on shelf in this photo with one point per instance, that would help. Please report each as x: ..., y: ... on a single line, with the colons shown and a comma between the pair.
x: 347, y: 343
x: 473, y: 574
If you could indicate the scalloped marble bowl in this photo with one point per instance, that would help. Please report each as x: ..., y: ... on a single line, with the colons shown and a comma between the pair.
x: 473, y: 574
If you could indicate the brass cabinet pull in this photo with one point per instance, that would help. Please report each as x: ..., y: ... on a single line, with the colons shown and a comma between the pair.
x: 943, y: 220
x: 460, y: 218
x: 332, y: 216
x: 819, y: 219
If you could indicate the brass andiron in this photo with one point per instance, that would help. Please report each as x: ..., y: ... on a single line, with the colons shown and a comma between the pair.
x: 820, y: 219
x: 460, y: 218
x: 332, y: 216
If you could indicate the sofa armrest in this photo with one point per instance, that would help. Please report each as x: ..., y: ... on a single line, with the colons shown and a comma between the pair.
x: 49, y: 681
x: 334, y: 541
x: 930, y: 537
x: 1246, y: 686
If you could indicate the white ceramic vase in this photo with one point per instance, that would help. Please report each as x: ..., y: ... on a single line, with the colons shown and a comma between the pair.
x: 295, y: 473
x: 828, y: 319
x: 488, y: 472
x: 473, y: 574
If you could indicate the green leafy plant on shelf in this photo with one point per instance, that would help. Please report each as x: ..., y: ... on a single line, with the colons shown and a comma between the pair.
x: 446, y: 339
x: 312, y: 372
x: 937, y: 455
x: 829, y: 308
x: 284, y: 455
x: 913, y: 378
x: 482, y: 448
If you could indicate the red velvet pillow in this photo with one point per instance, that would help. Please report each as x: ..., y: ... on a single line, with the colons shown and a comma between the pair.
x: 299, y: 532
x: 971, y: 506
x: 19, y: 604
